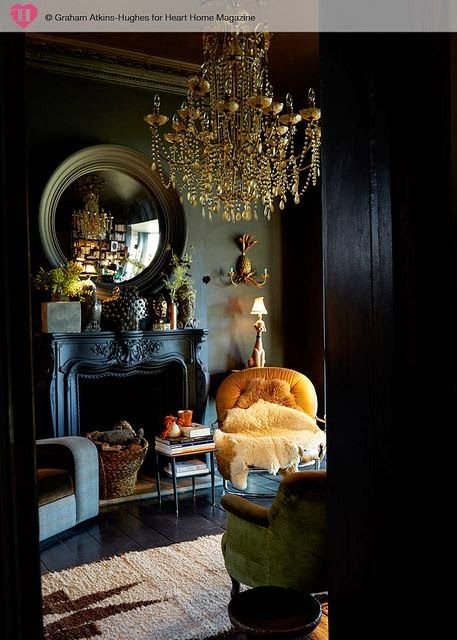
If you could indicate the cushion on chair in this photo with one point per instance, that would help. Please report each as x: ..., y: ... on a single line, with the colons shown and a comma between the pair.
x: 53, y: 484
x: 236, y: 384
x: 274, y: 390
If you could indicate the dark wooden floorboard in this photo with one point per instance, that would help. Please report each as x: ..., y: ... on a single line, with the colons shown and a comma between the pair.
x: 187, y: 526
x: 57, y: 556
x: 83, y: 545
x: 136, y: 529
x: 113, y: 541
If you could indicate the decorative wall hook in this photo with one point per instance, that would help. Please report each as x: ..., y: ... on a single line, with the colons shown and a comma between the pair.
x: 243, y: 272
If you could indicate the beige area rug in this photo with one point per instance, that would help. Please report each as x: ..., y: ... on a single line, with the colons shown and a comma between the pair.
x: 180, y: 592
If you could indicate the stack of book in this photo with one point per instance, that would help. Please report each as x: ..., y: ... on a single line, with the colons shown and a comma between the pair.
x: 184, y: 444
x: 187, y: 468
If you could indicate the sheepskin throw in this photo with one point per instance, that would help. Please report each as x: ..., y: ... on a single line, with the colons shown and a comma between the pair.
x: 267, y: 436
x: 274, y: 390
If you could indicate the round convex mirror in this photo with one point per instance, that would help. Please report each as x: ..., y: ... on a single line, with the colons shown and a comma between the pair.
x: 106, y: 209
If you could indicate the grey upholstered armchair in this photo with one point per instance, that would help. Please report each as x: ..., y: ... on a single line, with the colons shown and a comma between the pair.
x: 67, y: 481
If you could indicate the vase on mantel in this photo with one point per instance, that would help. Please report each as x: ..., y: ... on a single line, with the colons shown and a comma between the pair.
x: 173, y: 315
x: 185, y: 297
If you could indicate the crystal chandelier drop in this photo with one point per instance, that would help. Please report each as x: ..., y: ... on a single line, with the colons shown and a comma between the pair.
x: 231, y: 148
x: 91, y: 222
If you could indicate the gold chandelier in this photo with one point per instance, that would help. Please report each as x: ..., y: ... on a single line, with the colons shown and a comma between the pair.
x: 90, y: 222
x: 231, y: 148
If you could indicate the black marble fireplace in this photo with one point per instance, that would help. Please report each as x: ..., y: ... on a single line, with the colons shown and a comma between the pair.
x: 89, y: 381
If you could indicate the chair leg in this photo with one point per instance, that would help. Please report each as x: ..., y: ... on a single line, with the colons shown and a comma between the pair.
x: 235, y: 587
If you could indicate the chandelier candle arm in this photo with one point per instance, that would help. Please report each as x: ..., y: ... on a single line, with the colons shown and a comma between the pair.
x: 231, y: 148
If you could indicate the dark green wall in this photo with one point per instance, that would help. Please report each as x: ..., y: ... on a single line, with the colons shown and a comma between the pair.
x: 65, y: 114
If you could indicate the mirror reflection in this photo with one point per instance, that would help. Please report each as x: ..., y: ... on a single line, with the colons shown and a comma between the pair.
x: 107, y: 221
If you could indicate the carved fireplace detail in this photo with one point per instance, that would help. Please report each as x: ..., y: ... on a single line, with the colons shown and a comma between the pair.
x: 168, y: 370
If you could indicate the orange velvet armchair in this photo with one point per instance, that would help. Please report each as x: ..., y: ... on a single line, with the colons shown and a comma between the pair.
x: 301, y: 395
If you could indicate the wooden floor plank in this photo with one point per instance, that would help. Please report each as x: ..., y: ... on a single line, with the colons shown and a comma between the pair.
x: 57, y: 556
x: 136, y: 529
x: 187, y: 526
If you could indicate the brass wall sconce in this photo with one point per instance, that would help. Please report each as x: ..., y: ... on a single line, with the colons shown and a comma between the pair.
x: 243, y: 273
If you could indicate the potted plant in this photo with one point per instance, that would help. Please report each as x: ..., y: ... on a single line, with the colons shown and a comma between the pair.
x: 60, y: 284
x: 179, y: 285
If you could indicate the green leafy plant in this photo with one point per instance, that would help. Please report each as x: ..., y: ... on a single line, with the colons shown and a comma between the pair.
x: 179, y: 277
x: 63, y: 280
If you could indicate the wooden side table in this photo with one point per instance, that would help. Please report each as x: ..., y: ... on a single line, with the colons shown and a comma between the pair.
x: 182, y: 453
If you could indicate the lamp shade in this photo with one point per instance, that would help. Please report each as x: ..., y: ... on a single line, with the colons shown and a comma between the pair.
x: 259, y: 307
x: 89, y: 269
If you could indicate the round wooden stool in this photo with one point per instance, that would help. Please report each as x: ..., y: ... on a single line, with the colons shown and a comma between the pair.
x: 274, y: 612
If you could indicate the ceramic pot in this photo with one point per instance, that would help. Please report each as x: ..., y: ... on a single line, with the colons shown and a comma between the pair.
x: 186, y: 307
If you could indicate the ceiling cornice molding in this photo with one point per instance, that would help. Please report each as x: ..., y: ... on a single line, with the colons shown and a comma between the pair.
x: 74, y: 58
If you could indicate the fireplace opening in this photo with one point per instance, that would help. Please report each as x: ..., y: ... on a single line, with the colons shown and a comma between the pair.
x: 142, y: 397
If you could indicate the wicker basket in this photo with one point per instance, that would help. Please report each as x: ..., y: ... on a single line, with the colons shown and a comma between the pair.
x: 119, y: 469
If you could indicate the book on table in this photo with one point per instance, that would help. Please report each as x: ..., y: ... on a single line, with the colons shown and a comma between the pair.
x: 194, y: 430
x: 170, y: 449
x: 187, y: 468
x: 184, y: 440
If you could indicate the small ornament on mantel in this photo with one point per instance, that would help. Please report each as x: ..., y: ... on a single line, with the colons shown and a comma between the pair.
x: 171, y: 428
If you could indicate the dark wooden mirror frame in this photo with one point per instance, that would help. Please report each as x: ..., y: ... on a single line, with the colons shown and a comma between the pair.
x: 109, y: 157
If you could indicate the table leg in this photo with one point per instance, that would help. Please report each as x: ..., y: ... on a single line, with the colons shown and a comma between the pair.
x: 213, y: 493
x: 193, y: 487
x: 175, y: 486
x: 159, y: 495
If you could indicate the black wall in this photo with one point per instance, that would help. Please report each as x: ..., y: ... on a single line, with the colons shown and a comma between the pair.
x: 19, y: 558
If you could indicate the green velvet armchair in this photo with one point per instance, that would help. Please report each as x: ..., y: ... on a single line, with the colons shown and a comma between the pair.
x: 285, y: 545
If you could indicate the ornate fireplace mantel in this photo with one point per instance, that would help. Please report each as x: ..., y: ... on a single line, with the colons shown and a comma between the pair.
x: 64, y: 359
